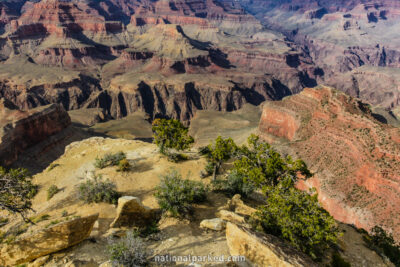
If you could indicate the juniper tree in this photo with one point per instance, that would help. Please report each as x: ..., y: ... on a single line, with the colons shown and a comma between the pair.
x: 171, y: 134
x: 16, y: 190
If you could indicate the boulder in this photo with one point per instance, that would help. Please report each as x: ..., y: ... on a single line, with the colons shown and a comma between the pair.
x: 230, y: 216
x: 263, y: 250
x: 215, y: 224
x: 131, y: 212
x: 237, y: 205
x: 47, y: 241
x: 106, y: 264
x: 39, y: 262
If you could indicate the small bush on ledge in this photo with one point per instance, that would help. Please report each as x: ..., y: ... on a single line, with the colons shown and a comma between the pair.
x: 176, y: 195
x: 124, y: 166
x: 98, y: 190
x: 51, y: 191
x: 109, y: 160
x: 233, y: 184
x: 128, y: 251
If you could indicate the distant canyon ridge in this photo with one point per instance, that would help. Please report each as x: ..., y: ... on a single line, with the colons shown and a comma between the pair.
x: 172, y: 58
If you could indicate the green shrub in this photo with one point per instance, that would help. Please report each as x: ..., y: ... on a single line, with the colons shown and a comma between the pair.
x: 109, y: 160
x: 128, y: 251
x: 177, y: 157
x: 171, y: 134
x: 16, y: 190
x: 176, y: 195
x: 338, y: 261
x: 384, y: 244
x: 204, y: 150
x: 97, y: 190
x: 234, y: 184
x: 124, y: 165
x: 51, y: 191
x: 219, y: 152
x: 263, y: 166
x: 296, y: 216
x: 148, y: 230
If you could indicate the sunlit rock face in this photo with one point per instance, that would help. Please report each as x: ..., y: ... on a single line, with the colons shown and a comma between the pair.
x: 355, y: 157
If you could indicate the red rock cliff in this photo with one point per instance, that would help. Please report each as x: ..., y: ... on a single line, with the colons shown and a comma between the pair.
x: 356, y: 159
x: 22, y: 129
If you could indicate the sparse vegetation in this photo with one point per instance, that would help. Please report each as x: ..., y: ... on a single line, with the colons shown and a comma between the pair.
x: 54, y: 222
x: 148, y: 230
x: 16, y: 190
x: 219, y: 152
x: 289, y: 213
x: 51, y: 191
x: 98, y: 190
x: 263, y: 166
x: 234, y: 184
x: 109, y: 160
x: 128, y: 251
x: 383, y: 243
x: 177, y: 157
x: 176, y: 195
x: 124, y: 165
x: 12, y: 233
x: 297, y: 217
x: 171, y: 134
x: 38, y: 219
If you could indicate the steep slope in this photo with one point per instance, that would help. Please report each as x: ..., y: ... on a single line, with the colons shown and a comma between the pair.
x: 355, y: 158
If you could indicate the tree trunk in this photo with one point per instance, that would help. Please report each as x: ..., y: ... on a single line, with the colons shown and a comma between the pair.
x: 215, y: 172
x: 216, y: 169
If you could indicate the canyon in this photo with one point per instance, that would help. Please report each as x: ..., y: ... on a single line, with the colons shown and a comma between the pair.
x: 128, y: 56
x: 318, y: 80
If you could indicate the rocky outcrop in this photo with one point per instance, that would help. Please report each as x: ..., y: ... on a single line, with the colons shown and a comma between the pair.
x: 355, y: 157
x: 230, y: 216
x: 62, y: 18
x: 263, y: 250
x: 131, y: 212
x: 23, y: 129
x: 215, y: 224
x: 46, y: 241
x: 237, y: 205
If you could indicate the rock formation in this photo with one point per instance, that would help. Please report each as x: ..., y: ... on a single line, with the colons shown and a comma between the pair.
x: 128, y: 56
x: 355, y: 157
x: 131, y: 212
x: 263, y: 250
x: 114, y: 44
x: 215, y: 224
x: 47, y: 241
x: 22, y: 129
